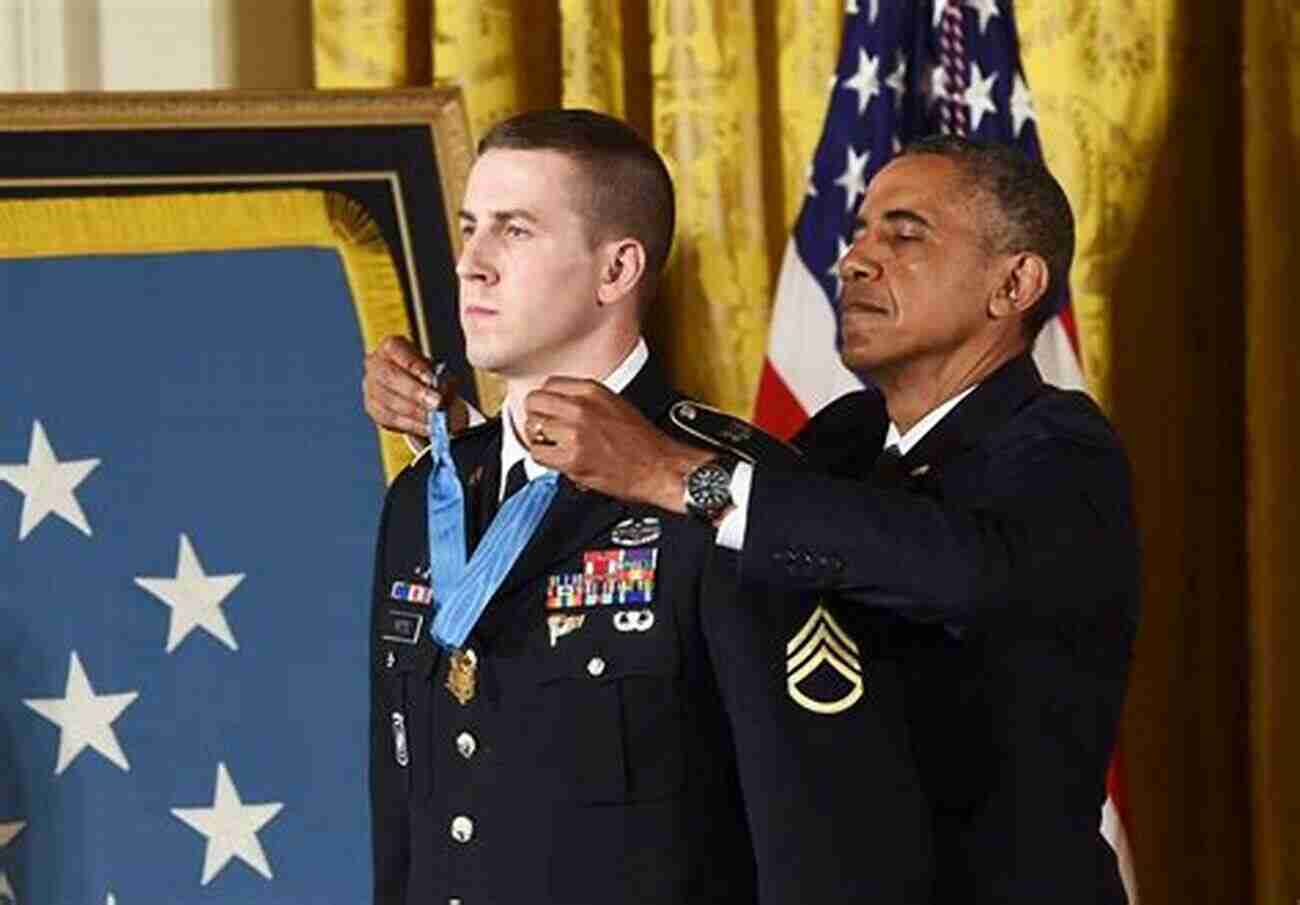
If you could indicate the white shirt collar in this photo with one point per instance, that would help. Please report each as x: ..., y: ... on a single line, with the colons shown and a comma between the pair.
x: 513, y: 449
x: 906, y: 441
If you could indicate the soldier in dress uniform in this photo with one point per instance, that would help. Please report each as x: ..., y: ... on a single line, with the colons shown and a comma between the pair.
x: 622, y: 724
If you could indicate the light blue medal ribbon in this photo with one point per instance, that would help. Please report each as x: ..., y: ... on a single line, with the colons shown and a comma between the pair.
x: 462, y: 589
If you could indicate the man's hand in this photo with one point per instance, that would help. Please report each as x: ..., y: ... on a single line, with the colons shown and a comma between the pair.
x: 400, y: 390
x: 600, y: 442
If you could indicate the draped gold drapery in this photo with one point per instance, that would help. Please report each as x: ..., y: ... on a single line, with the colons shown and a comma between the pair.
x: 1174, y: 125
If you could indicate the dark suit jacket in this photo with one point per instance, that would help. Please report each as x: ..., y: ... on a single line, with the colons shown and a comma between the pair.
x: 1008, y: 551
x: 701, y: 760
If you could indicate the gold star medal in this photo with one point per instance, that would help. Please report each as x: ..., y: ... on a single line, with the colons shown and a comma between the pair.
x: 462, y: 673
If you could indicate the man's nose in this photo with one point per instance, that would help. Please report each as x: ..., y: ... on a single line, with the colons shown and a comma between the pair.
x: 474, y: 263
x: 858, y: 263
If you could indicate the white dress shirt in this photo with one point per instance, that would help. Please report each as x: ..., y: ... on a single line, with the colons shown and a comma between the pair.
x: 513, y: 449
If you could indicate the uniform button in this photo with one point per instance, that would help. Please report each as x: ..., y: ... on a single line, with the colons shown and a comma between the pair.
x: 805, y: 558
x: 453, y: 902
x: 595, y: 667
x: 466, y: 744
x: 462, y: 828
x: 837, y: 564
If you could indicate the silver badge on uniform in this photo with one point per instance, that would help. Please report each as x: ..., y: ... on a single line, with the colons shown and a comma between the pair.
x: 821, y: 642
x: 634, y: 620
x: 561, y: 624
x: 635, y: 532
x: 399, y: 739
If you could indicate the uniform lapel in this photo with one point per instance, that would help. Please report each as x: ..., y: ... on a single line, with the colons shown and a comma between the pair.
x: 1003, y: 393
x: 576, y: 518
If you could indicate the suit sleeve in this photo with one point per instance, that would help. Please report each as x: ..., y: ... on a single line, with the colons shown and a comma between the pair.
x: 389, y: 821
x: 830, y: 792
x: 1048, y: 528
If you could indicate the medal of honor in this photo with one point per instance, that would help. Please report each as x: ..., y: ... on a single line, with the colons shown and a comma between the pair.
x: 462, y: 671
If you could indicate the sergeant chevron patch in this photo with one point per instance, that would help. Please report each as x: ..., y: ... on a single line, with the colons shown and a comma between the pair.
x: 820, y: 642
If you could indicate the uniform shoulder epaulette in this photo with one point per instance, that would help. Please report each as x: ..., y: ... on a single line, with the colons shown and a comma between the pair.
x: 732, y: 435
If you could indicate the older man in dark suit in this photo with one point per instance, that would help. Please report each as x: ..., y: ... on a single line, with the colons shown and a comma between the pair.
x: 989, y: 513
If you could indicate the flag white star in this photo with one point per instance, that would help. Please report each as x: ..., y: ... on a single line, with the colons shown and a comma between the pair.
x: 834, y: 270
x: 872, y: 11
x: 7, y: 833
x: 1022, y: 105
x: 231, y: 827
x: 865, y: 81
x: 986, y: 9
x: 853, y: 180
x: 851, y: 7
x: 979, y: 95
x: 84, y: 718
x: 896, y: 81
x: 47, y: 485
x: 812, y: 183
x: 938, y: 11
x: 195, y: 598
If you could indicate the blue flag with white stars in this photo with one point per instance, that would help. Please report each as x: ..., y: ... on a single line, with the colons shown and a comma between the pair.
x: 189, y: 492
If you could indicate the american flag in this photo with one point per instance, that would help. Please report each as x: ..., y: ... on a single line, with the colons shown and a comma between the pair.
x: 905, y: 70
x: 189, y: 494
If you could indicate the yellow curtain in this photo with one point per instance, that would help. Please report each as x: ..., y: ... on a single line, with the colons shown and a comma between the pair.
x: 1271, y: 90
x: 1187, y: 253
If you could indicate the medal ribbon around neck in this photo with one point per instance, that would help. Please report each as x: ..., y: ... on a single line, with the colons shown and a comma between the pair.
x: 462, y: 589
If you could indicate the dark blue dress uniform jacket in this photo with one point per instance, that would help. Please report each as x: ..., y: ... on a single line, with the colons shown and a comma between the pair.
x: 674, y: 765
x: 1005, y: 542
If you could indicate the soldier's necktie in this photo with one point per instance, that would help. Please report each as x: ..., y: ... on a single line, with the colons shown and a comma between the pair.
x: 516, y: 478
x: 462, y: 589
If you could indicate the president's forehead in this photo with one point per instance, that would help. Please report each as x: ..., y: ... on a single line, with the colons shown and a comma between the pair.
x: 926, y: 184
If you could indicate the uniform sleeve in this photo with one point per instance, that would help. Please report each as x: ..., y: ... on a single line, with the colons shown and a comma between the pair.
x: 1048, y: 531
x: 389, y: 822
x: 833, y: 802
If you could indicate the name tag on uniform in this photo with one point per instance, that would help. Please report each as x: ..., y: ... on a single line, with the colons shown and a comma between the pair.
x: 623, y: 577
x: 403, y: 628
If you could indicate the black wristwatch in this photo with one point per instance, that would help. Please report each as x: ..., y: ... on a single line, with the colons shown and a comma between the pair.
x: 708, y: 488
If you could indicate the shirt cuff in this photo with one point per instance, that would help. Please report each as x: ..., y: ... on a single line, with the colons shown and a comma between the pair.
x: 731, y: 530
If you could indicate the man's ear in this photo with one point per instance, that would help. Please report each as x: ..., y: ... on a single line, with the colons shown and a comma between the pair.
x: 623, y: 270
x: 1024, y: 284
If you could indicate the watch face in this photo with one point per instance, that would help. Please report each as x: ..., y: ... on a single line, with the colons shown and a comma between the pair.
x: 709, y: 487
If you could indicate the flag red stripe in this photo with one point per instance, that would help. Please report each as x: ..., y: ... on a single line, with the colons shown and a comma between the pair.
x: 777, y: 410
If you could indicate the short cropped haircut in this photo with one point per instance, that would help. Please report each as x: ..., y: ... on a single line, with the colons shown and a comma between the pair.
x: 1036, y: 215
x: 631, y: 193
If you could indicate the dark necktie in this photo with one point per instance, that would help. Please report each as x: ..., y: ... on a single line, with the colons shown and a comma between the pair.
x: 489, y: 502
x: 515, y: 479
x: 888, y: 471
